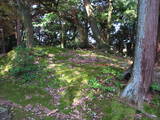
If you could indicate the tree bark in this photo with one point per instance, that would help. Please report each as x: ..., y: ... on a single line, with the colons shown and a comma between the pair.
x: 83, y: 35
x: 27, y: 20
x: 3, y: 41
x: 158, y: 45
x: 109, y: 19
x: 82, y: 29
x: 18, y: 31
x: 93, y: 24
x: 62, y: 35
x: 145, y: 52
x: 157, y: 66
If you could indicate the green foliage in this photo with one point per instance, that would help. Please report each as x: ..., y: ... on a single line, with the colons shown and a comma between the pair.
x: 155, y: 87
x: 125, y: 11
x: 23, y: 64
x: 94, y: 83
x: 112, y: 70
x: 107, y: 80
x: 156, y: 100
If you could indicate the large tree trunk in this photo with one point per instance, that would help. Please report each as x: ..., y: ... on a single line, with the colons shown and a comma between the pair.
x: 3, y: 41
x: 82, y: 29
x: 18, y: 31
x: 157, y: 66
x: 93, y: 24
x: 27, y: 20
x: 158, y: 46
x: 145, y: 51
x: 28, y: 27
x: 83, y: 35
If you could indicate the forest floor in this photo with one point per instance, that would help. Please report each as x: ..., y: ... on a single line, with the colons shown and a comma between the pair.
x: 67, y: 85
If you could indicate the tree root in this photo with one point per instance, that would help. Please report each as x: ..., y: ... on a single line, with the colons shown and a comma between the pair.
x: 127, y: 74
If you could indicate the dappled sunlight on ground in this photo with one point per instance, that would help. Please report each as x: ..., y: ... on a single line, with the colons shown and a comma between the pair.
x: 74, y: 85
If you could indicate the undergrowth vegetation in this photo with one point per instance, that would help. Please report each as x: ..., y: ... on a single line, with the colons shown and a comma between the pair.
x: 23, y: 67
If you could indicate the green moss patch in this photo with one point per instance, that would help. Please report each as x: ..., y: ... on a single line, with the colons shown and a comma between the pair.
x: 111, y: 109
x: 82, y: 73
x: 18, y: 94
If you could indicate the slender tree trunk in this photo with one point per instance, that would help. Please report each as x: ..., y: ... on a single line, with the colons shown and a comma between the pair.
x: 109, y: 19
x: 62, y: 35
x: 145, y: 52
x: 39, y: 35
x: 3, y: 41
x: 27, y: 20
x: 106, y: 27
x: 93, y: 24
x: 18, y: 31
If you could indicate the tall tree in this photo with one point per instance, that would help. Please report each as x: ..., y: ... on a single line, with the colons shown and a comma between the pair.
x: 70, y: 14
x: 24, y: 10
x: 18, y: 31
x: 145, y: 51
x: 110, y: 9
x: 62, y: 34
x: 82, y: 29
x: 3, y: 40
x: 158, y: 45
x: 93, y: 23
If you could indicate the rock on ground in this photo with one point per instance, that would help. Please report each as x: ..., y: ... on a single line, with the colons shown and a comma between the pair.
x: 4, y: 114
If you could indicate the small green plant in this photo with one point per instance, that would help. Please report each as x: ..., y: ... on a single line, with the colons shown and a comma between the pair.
x: 23, y: 64
x: 156, y: 100
x: 155, y: 87
x: 94, y: 83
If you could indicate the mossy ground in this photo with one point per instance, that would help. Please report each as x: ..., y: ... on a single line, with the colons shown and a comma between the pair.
x: 82, y: 73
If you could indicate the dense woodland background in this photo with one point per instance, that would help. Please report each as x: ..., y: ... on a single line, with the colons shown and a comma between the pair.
x: 70, y: 24
x: 80, y: 59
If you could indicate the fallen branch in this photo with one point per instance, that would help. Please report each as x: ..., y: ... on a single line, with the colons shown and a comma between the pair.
x: 52, y: 112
